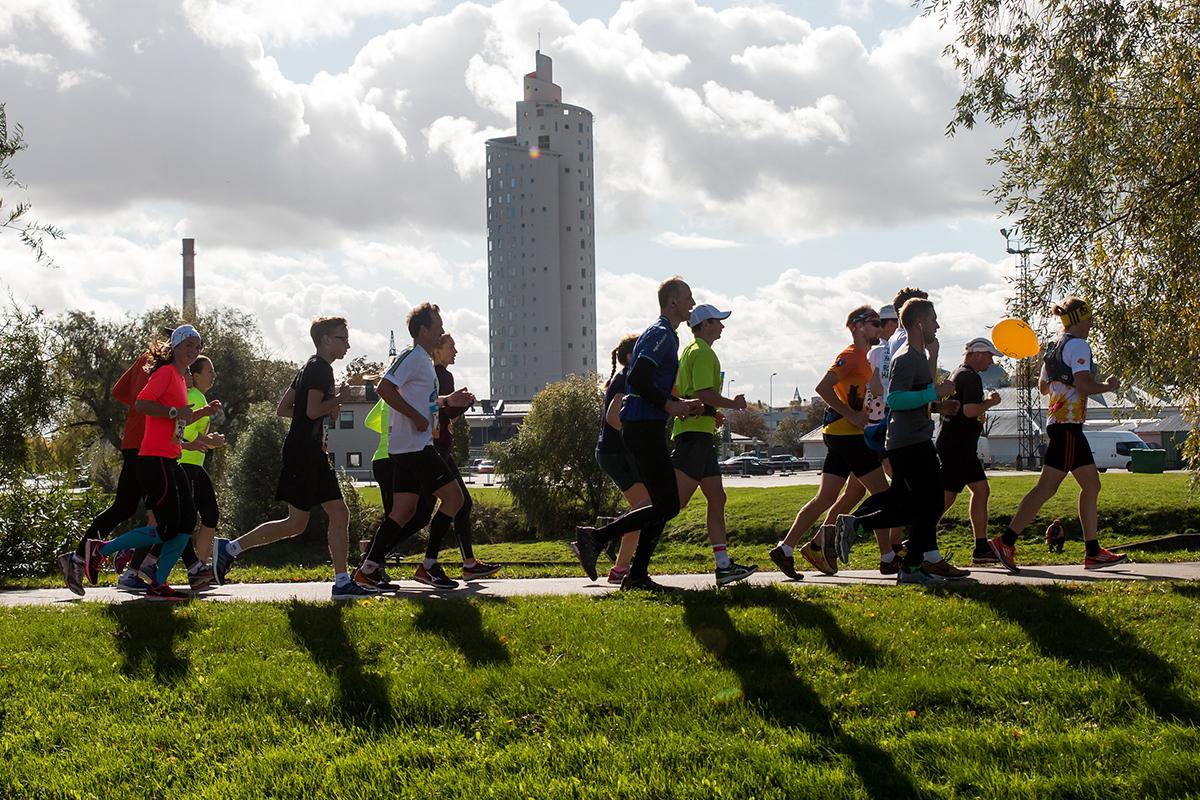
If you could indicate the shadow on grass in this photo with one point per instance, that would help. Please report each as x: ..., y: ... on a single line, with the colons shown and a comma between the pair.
x: 1062, y: 630
x: 461, y: 625
x: 772, y: 688
x: 793, y: 609
x: 1186, y: 589
x: 147, y: 635
x: 362, y: 696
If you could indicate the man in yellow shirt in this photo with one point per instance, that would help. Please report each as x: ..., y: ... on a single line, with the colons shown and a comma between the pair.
x: 695, y: 454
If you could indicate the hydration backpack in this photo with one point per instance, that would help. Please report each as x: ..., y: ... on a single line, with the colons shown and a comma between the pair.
x: 1056, y: 368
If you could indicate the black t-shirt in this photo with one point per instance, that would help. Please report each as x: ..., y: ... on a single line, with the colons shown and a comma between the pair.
x: 968, y: 389
x: 308, y: 435
x: 610, y: 438
x: 445, y: 438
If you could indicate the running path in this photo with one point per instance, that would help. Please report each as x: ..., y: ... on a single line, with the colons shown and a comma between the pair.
x: 518, y: 587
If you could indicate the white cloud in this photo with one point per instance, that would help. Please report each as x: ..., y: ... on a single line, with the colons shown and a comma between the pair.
x: 62, y: 18
x: 294, y: 21
x: 38, y: 62
x: 74, y: 77
x: 692, y: 241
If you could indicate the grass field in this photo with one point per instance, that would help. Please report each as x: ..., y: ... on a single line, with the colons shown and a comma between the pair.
x: 1082, y: 692
x: 1132, y: 507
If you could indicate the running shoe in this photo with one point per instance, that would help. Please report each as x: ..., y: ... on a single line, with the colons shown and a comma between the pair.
x: 817, y: 559
x: 373, y: 580
x: 121, y: 560
x: 646, y: 584
x: 434, y: 576
x: 786, y: 564
x: 1005, y: 554
x: 847, y: 534
x: 222, y: 559
x: 944, y: 569
x: 93, y: 559
x: 984, y: 555
x: 890, y: 567
x: 919, y: 576
x: 201, y: 579
x: 615, y: 576
x: 131, y: 581
x: 586, y: 549
x: 1105, y: 558
x: 480, y: 569
x: 610, y: 549
x: 163, y: 591
x: 734, y: 573
x: 349, y: 591
x: 72, y: 571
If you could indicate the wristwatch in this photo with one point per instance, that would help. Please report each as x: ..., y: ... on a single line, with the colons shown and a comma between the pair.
x: 172, y: 412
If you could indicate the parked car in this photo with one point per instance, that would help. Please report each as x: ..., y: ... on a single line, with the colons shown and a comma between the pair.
x: 486, y: 466
x: 746, y: 465
x: 1112, y: 449
x: 788, y: 462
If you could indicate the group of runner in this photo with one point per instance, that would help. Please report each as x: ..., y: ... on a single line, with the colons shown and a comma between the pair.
x: 882, y: 394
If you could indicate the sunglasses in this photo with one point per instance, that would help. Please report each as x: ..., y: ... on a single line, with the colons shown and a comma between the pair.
x: 878, y: 323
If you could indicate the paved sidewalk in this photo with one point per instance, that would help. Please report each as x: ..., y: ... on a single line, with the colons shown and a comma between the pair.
x: 516, y: 587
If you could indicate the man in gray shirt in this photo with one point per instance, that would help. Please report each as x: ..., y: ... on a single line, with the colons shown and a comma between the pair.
x: 915, y: 496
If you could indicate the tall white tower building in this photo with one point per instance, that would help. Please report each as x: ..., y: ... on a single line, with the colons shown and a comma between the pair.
x: 541, y: 245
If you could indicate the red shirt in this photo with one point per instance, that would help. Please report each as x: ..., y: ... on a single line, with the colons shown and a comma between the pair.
x: 125, y: 391
x: 163, y: 435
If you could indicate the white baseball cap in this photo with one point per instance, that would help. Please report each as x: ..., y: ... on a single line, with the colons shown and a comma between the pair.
x: 183, y: 333
x: 981, y: 344
x: 888, y: 312
x: 704, y: 312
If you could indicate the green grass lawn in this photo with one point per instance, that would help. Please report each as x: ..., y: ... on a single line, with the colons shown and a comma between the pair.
x: 1132, y: 507
x: 1005, y: 692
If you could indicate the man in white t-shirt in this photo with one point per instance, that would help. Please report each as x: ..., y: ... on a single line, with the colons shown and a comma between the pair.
x: 1068, y: 380
x: 409, y: 388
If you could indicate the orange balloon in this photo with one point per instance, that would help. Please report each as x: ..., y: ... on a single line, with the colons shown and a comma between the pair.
x: 1015, y: 338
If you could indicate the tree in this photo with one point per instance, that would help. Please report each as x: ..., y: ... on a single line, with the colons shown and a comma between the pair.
x: 33, y: 234
x: 789, y: 433
x: 248, y: 491
x: 1101, y: 170
x: 816, y: 414
x: 461, y: 443
x: 360, y: 366
x: 30, y: 382
x: 748, y: 422
x: 550, y: 468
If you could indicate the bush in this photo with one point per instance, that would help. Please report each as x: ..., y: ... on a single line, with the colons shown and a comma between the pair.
x: 493, y: 523
x: 550, y: 467
x: 248, y: 490
x: 39, y: 518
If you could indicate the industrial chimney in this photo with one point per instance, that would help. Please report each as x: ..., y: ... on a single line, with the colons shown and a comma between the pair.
x: 189, y: 280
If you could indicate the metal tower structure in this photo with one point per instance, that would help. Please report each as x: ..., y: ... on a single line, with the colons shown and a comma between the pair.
x: 391, y: 344
x: 1029, y: 435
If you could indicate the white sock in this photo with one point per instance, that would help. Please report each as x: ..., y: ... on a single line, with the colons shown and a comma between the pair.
x: 235, y: 549
x: 148, y: 563
x: 429, y: 563
x: 194, y: 568
x: 888, y: 557
x: 932, y: 556
x: 721, y: 556
x: 341, y: 578
x: 787, y: 549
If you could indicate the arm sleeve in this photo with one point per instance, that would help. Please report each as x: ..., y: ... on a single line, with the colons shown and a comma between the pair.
x: 1078, y: 356
x: 156, y: 386
x: 374, y: 420
x: 641, y: 379
x: 908, y: 400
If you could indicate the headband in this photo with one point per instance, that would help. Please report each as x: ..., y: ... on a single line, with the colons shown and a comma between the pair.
x: 863, y: 316
x: 1076, y: 315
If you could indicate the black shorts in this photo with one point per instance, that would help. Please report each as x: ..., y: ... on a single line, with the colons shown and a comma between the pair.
x: 695, y: 455
x: 1068, y: 449
x: 848, y: 455
x: 307, y: 479
x: 960, y: 464
x: 620, y: 467
x: 420, y: 473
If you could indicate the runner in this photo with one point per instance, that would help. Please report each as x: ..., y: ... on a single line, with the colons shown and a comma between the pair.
x: 163, y: 400
x: 644, y: 414
x: 410, y: 390
x: 443, y: 357
x: 843, y: 388
x: 915, y: 496
x: 307, y: 478
x: 958, y: 443
x: 1067, y: 377
x: 197, y: 441
x: 612, y: 456
x: 695, y: 453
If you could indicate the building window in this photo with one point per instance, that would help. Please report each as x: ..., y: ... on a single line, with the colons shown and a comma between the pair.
x: 544, y: 142
x: 346, y: 419
x: 353, y: 460
x: 541, y: 112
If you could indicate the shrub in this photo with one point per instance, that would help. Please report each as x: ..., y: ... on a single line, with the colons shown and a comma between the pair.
x: 39, y: 518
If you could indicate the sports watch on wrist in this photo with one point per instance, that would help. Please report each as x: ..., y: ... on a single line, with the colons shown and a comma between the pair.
x: 173, y: 412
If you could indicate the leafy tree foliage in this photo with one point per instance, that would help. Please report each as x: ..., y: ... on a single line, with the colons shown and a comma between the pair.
x: 748, y: 422
x: 788, y: 434
x: 248, y: 491
x: 461, y: 443
x: 33, y: 234
x: 1101, y: 167
x: 550, y: 468
x: 30, y: 383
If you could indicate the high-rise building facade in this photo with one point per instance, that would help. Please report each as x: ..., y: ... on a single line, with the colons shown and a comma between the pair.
x: 541, y: 243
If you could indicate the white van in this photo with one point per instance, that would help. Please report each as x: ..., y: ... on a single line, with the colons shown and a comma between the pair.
x: 1112, y: 448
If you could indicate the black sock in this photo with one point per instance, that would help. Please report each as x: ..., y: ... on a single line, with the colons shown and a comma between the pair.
x: 1009, y: 537
x: 1092, y: 546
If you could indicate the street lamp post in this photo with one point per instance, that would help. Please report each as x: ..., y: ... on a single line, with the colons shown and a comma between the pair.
x: 771, y: 391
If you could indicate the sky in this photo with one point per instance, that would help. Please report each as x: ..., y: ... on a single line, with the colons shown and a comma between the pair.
x: 788, y: 159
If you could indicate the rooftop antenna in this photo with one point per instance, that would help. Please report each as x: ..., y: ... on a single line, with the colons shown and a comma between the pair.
x: 539, y: 41
x: 391, y: 344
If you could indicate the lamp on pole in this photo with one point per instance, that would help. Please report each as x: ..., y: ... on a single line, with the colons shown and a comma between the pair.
x: 771, y: 391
